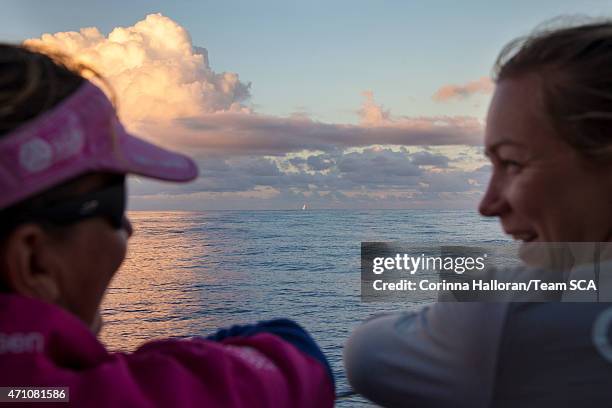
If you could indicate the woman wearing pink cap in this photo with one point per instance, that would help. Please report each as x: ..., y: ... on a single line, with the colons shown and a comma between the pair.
x: 63, y: 235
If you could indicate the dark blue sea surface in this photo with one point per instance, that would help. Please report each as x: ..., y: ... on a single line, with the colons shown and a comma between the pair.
x: 189, y: 273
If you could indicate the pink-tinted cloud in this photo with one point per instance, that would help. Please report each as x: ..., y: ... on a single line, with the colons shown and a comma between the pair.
x: 168, y: 92
x: 154, y: 69
x: 447, y: 92
x: 372, y: 114
x: 249, y: 133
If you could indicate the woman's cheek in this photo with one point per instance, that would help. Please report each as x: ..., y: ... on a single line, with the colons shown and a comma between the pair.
x: 96, y: 325
x: 529, y: 193
x: 121, y: 243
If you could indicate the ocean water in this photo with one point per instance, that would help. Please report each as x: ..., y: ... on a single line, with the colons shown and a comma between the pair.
x: 189, y: 273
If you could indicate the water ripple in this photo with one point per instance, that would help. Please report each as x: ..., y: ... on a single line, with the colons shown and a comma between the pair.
x: 189, y: 273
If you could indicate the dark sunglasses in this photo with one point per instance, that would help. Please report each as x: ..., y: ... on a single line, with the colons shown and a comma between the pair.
x: 108, y: 202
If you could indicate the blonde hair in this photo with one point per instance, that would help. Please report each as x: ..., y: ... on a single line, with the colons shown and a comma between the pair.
x: 574, y: 66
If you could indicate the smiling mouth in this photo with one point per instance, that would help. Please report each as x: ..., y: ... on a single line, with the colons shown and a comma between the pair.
x: 526, y: 237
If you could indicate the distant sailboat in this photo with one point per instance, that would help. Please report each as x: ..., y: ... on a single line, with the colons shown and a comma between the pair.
x: 305, y: 207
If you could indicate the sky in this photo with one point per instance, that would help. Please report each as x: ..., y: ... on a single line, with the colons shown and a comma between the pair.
x: 337, y: 104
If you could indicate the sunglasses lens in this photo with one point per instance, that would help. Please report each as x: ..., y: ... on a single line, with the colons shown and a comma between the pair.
x: 108, y: 202
x: 115, y: 206
x: 116, y: 222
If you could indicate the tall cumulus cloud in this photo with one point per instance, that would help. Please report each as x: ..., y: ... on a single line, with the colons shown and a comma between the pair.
x: 168, y: 91
x: 154, y: 69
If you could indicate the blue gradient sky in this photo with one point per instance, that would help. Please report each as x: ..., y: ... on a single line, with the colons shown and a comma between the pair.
x: 294, y: 53
x: 306, y: 131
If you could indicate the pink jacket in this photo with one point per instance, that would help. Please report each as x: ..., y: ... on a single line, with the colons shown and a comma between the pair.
x: 271, y: 364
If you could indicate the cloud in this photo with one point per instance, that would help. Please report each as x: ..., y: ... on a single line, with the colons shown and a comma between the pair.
x: 168, y: 92
x: 370, y: 178
x: 371, y: 113
x: 378, y: 168
x: 367, y: 171
x: 426, y: 158
x: 319, y: 162
x: 154, y: 69
x: 242, y: 134
x: 450, y: 182
x: 448, y: 92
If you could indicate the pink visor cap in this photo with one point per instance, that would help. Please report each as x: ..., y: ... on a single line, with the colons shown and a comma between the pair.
x: 80, y: 135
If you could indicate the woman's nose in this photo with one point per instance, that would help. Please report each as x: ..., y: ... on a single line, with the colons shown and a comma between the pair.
x: 493, y: 204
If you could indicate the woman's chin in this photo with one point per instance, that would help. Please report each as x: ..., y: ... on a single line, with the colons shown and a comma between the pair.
x: 96, y: 325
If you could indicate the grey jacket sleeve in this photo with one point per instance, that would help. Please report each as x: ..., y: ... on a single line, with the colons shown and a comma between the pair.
x: 441, y: 356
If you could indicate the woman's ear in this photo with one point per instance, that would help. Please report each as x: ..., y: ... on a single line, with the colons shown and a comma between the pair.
x: 32, y: 266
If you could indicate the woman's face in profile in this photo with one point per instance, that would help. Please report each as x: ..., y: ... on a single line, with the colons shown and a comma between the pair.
x: 541, y: 188
x: 89, y: 256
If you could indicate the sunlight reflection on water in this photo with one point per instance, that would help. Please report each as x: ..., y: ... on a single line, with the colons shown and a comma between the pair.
x: 189, y: 273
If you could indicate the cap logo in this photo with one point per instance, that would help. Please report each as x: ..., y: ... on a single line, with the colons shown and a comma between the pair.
x: 69, y: 142
x: 35, y: 155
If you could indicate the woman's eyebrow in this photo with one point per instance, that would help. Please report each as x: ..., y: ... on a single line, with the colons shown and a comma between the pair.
x: 495, y: 146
